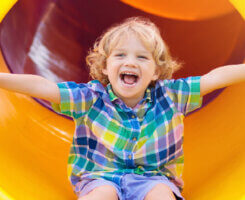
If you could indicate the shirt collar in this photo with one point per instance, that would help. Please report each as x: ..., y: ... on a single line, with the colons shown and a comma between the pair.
x: 113, y: 97
x: 148, y: 96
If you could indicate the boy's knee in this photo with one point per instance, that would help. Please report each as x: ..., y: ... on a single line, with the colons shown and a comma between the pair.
x: 102, y: 192
x: 160, y: 191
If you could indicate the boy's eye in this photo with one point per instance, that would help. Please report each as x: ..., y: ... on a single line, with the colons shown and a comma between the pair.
x: 120, y: 55
x: 142, y: 57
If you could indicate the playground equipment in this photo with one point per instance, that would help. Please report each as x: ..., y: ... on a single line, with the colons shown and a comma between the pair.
x: 51, y: 38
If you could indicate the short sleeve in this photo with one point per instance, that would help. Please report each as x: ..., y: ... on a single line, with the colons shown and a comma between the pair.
x: 185, y: 93
x: 75, y: 99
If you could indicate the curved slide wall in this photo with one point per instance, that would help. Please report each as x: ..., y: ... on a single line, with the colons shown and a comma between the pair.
x: 34, y: 141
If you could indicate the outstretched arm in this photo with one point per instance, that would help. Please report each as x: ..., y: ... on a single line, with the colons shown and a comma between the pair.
x: 222, y: 77
x: 32, y: 85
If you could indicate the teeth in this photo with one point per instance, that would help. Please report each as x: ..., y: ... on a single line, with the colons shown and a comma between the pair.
x: 129, y: 73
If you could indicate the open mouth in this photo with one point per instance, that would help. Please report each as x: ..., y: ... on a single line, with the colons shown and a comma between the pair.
x: 129, y: 78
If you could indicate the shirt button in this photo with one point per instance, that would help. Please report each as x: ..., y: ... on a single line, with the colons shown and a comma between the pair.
x: 134, y: 139
x: 133, y: 116
x: 129, y: 157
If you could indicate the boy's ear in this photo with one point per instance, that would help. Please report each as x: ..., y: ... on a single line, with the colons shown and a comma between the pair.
x: 157, y: 74
x: 104, y: 71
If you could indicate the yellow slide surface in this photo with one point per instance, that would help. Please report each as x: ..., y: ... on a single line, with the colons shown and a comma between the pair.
x: 34, y: 145
x: 35, y: 142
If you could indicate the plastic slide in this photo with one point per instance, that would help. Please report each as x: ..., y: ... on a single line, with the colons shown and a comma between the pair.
x: 46, y: 37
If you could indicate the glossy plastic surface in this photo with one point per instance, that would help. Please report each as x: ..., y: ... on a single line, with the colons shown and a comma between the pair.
x: 34, y: 141
x: 6, y: 5
x: 240, y: 6
x: 192, y: 10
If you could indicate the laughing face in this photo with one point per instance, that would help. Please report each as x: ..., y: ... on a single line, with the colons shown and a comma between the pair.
x: 130, y: 69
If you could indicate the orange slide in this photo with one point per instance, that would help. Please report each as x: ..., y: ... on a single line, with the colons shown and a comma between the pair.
x: 34, y: 141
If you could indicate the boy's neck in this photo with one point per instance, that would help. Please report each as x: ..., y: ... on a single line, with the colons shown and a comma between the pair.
x: 131, y: 103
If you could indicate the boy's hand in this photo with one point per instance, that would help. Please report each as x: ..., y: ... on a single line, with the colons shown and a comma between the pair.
x: 222, y: 77
x: 32, y: 85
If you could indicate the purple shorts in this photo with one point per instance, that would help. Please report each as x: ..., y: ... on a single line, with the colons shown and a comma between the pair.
x: 132, y: 186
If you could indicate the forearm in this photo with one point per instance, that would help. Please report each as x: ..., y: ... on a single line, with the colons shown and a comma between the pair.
x: 222, y: 77
x: 231, y: 74
x: 32, y: 85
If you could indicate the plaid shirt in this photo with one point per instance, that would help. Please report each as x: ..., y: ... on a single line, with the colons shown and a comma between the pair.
x: 112, y: 139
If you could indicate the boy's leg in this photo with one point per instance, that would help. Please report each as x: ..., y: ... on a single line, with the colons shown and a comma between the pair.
x: 160, y: 192
x: 107, y: 192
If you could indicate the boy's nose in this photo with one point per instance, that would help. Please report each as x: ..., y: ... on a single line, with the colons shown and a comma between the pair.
x: 130, y: 62
x: 130, y: 65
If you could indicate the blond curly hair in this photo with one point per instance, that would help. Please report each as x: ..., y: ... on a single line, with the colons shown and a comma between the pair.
x: 147, y: 32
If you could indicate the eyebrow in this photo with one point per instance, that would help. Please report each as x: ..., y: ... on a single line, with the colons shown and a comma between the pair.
x: 144, y: 52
